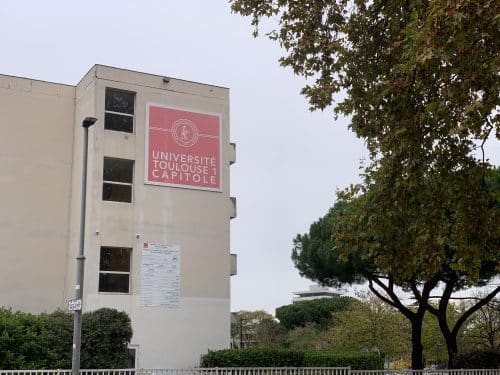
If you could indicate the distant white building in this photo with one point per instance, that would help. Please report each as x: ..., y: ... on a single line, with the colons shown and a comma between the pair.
x: 314, y: 292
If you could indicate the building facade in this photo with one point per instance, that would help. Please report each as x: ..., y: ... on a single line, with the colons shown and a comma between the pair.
x: 158, y: 205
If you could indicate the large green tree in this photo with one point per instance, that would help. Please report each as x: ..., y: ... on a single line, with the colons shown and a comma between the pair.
x: 421, y: 84
x: 339, y: 249
x: 372, y: 325
x: 317, y: 312
x: 419, y: 80
x: 316, y: 257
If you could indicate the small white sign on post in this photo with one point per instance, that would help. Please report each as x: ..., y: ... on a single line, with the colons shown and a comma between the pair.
x: 74, y: 304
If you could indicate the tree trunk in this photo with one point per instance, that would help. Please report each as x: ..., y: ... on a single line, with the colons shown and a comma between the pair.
x: 416, y: 318
x: 449, y: 337
x: 452, y: 346
x: 417, y: 349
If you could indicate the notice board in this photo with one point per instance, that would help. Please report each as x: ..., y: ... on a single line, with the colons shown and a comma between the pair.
x: 160, y: 275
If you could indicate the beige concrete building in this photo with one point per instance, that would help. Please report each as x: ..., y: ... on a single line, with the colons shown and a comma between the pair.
x: 158, y: 205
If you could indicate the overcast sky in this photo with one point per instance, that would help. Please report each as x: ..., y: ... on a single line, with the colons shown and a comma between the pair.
x: 289, y: 161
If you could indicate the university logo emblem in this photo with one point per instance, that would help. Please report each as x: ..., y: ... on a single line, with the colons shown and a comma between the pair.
x: 185, y: 133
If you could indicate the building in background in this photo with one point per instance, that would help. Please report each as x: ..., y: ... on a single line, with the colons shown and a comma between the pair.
x: 158, y: 205
x: 315, y: 292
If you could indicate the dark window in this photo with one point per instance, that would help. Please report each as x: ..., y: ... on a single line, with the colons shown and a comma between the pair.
x: 131, y: 357
x: 114, y: 270
x: 120, y: 101
x: 117, y: 180
x: 119, y: 108
x: 113, y: 121
x: 116, y: 193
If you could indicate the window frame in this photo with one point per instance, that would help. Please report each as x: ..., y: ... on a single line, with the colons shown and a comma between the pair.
x: 129, y: 273
x: 131, y: 184
x: 120, y: 113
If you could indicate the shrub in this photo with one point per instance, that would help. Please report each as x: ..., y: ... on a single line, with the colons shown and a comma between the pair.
x: 489, y: 359
x: 105, y: 337
x: 355, y: 360
x: 59, y: 326
x: 23, y: 341
x: 255, y: 357
x: 44, y: 341
x: 264, y: 357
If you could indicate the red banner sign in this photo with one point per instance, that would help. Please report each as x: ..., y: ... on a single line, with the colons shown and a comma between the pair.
x: 182, y: 148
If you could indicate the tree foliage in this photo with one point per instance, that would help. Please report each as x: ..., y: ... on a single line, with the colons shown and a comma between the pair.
x: 259, y: 329
x: 419, y: 80
x: 309, y: 337
x: 372, y: 325
x: 317, y: 257
x: 44, y: 341
x: 365, y: 325
x: 393, y: 60
x: 482, y: 331
x: 339, y: 248
x: 318, y: 312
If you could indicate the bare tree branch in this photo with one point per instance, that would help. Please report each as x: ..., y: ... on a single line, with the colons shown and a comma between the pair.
x: 427, y: 289
x: 457, y: 298
x: 490, y: 128
x: 473, y: 309
x: 391, y: 299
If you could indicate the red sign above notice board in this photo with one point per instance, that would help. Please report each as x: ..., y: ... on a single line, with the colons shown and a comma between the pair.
x: 182, y: 148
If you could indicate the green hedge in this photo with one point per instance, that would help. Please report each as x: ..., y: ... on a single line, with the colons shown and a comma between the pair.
x: 355, y: 360
x: 265, y: 357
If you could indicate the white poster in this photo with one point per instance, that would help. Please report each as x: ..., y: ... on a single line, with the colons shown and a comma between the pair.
x: 160, y: 275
